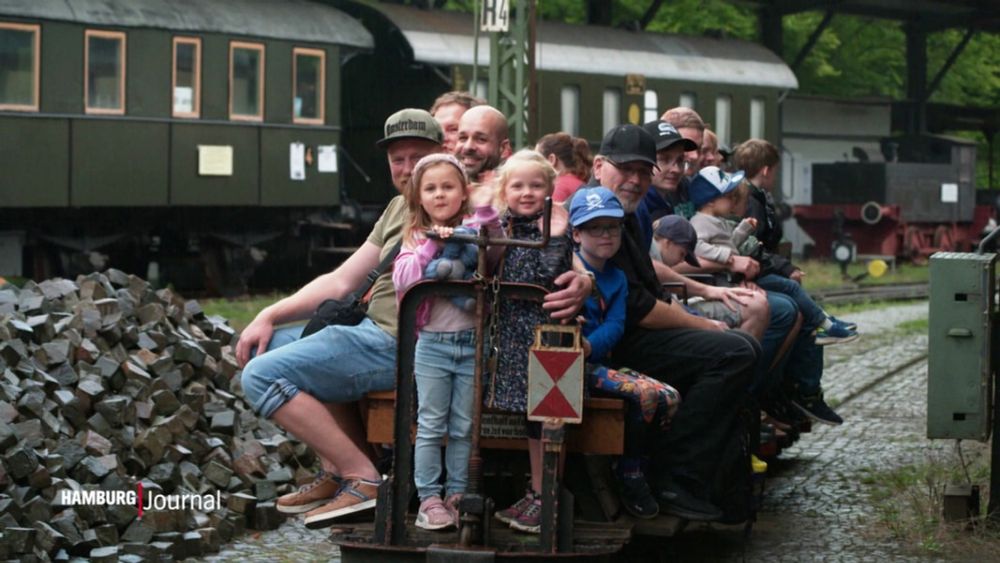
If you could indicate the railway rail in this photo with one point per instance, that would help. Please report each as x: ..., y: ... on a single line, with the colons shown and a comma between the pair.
x: 861, y: 294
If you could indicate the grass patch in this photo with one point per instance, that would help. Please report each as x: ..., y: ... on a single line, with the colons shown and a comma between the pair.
x: 239, y: 311
x: 822, y: 274
x: 916, y: 326
x: 843, y: 309
x: 909, y: 503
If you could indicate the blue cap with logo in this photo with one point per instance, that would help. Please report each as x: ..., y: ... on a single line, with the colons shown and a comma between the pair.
x: 710, y: 183
x: 591, y: 203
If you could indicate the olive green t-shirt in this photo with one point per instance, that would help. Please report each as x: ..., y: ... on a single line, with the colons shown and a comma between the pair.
x: 387, y: 231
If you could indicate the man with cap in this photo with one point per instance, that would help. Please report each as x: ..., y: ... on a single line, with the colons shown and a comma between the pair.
x: 308, y: 384
x: 710, y: 366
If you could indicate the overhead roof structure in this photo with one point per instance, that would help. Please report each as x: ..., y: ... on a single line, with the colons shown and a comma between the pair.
x: 931, y: 15
x: 298, y: 20
x: 446, y: 38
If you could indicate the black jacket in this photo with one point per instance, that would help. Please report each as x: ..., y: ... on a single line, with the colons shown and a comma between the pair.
x: 769, y: 233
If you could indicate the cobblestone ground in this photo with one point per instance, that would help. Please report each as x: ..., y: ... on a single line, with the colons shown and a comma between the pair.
x: 815, y: 508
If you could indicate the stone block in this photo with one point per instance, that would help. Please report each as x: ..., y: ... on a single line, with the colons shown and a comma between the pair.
x: 210, y: 540
x: 7, y: 436
x: 191, y: 544
x: 280, y: 474
x: 48, y: 539
x: 22, y: 462
x: 224, y: 423
x: 37, y: 509
x: 94, y: 443
x: 188, y: 351
x: 217, y: 474
x: 108, y: 554
x: 265, y: 490
x: 121, y: 515
x: 165, y: 402
x: 267, y: 517
x: 138, y: 531
x: 19, y: 540
x: 241, y: 503
x: 150, y: 313
x: 107, y: 534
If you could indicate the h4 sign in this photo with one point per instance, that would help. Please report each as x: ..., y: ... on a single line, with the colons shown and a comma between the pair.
x: 494, y: 15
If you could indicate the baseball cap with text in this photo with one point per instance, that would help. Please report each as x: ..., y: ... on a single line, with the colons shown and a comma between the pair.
x: 591, y: 203
x: 666, y: 136
x: 410, y: 123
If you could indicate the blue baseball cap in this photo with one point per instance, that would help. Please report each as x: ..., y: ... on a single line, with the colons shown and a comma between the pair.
x: 710, y: 183
x: 591, y: 203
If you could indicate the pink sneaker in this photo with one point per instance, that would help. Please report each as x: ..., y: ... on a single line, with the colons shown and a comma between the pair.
x: 511, y: 513
x: 434, y: 515
x: 451, y: 503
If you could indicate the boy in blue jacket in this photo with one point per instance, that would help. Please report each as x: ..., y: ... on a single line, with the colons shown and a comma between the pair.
x: 596, y: 217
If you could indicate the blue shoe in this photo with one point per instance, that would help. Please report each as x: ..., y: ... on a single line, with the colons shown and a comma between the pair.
x: 836, y: 334
x: 847, y: 324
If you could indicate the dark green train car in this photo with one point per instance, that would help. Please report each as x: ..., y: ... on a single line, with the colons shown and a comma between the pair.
x: 152, y: 130
x: 589, y: 78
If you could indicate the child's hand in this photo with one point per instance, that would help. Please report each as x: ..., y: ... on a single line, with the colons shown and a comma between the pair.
x: 751, y: 221
x: 797, y: 275
x: 443, y: 232
x: 559, y: 222
x: 586, y: 347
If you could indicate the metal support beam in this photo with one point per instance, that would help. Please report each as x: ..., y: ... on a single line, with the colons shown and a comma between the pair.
x: 511, y: 64
x: 948, y: 62
x: 771, y: 32
x: 599, y: 12
x: 651, y: 12
x: 811, y: 42
x: 916, y: 77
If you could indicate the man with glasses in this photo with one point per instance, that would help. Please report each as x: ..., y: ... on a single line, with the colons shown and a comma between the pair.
x: 710, y: 365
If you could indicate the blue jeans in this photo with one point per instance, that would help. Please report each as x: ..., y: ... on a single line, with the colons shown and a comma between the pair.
x: 812, y: 314
x: 337, y: 364
x: 780, y: 322
x: 444, y: 367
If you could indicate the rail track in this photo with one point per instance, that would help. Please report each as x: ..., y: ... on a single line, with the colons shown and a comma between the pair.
x: 861, y: 294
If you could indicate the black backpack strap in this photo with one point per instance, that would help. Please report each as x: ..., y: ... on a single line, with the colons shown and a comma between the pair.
x: 378, y: 271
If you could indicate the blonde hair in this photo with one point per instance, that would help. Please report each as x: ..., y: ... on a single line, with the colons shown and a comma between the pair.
x: 683, y: 117
x: 420, y: 221
x: 524, y: 158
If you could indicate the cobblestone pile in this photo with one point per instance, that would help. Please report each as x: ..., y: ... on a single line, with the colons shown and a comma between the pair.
x: 107, y: 385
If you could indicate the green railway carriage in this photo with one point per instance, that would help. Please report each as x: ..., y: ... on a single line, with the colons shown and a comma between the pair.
x: 192, y: 138
x: 589, y: 78
x: 134, y: 127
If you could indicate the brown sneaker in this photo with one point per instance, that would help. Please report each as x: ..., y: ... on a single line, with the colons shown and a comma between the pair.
x: 355, y: 495
x: 311, y: 495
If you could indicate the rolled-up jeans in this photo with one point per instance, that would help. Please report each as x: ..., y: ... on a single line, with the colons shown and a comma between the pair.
x: 337, y: 364
x: 444, y: 368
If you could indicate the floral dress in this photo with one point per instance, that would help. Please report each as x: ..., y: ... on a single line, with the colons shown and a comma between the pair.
x: 507, y: 389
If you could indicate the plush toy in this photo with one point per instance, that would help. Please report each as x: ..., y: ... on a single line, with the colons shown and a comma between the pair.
x: 458, y: 261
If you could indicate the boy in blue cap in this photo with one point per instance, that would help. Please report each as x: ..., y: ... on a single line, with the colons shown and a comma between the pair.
x: 596, y: 217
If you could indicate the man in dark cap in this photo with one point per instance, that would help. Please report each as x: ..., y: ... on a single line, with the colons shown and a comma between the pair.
x: 710, y: 365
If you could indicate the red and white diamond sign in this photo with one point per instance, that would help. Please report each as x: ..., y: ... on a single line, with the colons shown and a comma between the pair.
x: 555, y: 383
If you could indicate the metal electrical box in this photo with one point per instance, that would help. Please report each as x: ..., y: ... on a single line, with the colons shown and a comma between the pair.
x: 960, y: 361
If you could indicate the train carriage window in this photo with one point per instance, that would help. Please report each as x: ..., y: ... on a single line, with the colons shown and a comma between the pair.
x: 104, y: 76
x: 187, y: 77
x: 723, y: 121
x: 688, y: 100
x: 651, y: 106
x: 19, y: 66
x: 570, y: 110
x: 757, y: 118
x: 309, y: 70
x: 612, y: 108
x: 246, y: 81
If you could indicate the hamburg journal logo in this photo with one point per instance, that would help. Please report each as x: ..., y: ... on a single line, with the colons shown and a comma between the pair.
x: 152, y: 500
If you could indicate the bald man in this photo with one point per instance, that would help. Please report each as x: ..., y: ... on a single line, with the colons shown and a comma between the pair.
x: 483, y: 142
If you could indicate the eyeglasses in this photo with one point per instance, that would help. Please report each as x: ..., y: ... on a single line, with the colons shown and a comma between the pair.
x: 601, y: 230
x: 638, y: 170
